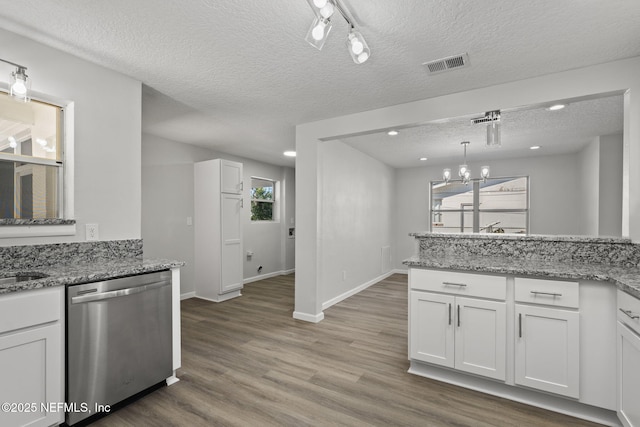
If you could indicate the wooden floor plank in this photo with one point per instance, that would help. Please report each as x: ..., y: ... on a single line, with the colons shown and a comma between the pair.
x: 247, y: 362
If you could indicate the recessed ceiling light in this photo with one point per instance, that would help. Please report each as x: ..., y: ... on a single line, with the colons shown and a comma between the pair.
x: 422, y: 159
x: 392, y: 133
x: 289, y: 153
x: 534, y: 147
x: 556, y: 107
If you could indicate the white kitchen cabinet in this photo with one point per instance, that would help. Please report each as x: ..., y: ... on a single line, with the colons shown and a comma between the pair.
x: 218, y: 202
x: 466, y: 334
x: 547, y: 355
x: 31, y: 354
x: 628, y: 366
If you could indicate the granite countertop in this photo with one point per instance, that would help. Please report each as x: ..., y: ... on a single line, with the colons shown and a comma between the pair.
x: 523, y: 237
x: 75, y: 273
x: 625, y: 278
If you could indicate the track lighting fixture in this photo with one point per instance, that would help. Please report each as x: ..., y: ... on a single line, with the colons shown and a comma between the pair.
x: 492, y: 120
x: 19, y: 82
x: 321, y: 25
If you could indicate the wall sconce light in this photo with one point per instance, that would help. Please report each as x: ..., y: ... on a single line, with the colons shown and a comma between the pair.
x: 321, y: 25
x: 19, y: 82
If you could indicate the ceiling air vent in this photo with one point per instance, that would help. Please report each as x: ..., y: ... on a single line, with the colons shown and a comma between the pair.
x: 448, y: 63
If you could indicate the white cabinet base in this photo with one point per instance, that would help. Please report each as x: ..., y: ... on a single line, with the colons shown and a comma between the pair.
x: 517, y: 394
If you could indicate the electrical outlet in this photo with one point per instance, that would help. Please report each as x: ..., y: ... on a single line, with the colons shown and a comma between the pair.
x: 189, y: 221
x: 92, y: 232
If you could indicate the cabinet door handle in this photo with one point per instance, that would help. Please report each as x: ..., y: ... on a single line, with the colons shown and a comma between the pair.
x: 630, y: 314
x: 242, y: 203
x: 553, y: 294
x: 458, y: 315
x: 241, y: 185
x: 520, y: 325
x: 449, y: 314
x: 454, y: 284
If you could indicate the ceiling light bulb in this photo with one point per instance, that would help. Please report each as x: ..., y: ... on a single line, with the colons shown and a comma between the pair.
x: 319, y: 3
x: 318, y: 31
x: 423, y: 159
x: 462, y: 171
x: 42, y: 142
x: 19, y: 87
x: 363, y: 57
x: 327, y: 11
x: 446, y: 175
x: 12, y: 142
x: 392, y: 133
x: 534, y: 147
x: 484, y: 172
x: 356, y: 46
x: 289, y: 153
x: 556, y: 107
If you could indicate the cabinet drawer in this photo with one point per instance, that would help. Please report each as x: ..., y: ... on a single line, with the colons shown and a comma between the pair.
x: 629, y: 311
x: 456, y: 283
x: 29, y: 308
x: 558, y: 293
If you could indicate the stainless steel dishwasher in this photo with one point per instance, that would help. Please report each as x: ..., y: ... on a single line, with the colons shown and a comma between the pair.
x: 119, y: 340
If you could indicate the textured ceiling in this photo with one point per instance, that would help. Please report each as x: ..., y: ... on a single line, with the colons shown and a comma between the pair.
x: 556, y: 132
x: 237, y: 76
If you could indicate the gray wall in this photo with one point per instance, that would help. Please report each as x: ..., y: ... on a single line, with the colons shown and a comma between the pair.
x: 554, y: 196
x: 103, y: 131
x: 167, y: 201
x: 357, y: 218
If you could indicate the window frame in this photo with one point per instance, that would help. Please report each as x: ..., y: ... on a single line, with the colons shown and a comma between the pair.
x: 273, y: 201
x: 476, y: 210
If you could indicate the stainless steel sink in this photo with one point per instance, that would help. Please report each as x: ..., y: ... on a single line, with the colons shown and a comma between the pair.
x: 10, y: 280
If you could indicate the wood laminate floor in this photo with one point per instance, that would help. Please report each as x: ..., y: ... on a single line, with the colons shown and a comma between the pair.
x: 247, y: 362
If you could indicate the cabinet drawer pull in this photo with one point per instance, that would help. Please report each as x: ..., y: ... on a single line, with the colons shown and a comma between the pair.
x: 449, y: 314
x: 553, y: 294
x: 630, y: 314
x: 454, y: 284
x: 458, y: 315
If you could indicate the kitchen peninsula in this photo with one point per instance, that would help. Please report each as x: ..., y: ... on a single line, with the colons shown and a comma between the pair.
x: 545, y: 320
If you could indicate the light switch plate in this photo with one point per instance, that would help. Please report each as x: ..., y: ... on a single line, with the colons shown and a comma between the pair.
x: 92, y: 232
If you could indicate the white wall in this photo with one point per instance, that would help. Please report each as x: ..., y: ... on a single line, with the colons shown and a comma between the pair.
x: 610, y: 206
x: 167, y: 201
x: 106, y: 132
x: 589, y: 185
x: 618, y: 76
x: 357, y: 206
x: 554, y: 201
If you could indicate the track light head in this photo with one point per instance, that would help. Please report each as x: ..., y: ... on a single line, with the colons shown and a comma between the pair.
x: 358, y: 48
x: 19, y: 84
x: 318, y: 32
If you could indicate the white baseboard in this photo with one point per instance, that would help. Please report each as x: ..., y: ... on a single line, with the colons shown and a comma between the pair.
x: 187, y: 295
x: 268, y: 275
x: 400, y: 271
x: 355, y: 290
x: 313, y: 318
x: 222, y: 297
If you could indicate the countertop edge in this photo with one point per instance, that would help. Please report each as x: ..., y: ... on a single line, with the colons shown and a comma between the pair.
x: 118, y: 268
x: 558, y: 272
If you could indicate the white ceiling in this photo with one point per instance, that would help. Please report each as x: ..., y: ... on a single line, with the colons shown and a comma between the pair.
x: 237, y: 76
x: 556, y: 132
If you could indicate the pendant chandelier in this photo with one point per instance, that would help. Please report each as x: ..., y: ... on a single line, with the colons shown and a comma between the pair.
x: 463, y: 170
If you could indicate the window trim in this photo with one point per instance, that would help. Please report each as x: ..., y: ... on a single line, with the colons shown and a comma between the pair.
x: 274, y: 214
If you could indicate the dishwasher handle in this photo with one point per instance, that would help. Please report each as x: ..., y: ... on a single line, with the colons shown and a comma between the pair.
x: 119, y: 292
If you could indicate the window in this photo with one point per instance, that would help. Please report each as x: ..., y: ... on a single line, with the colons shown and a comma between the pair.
x: 31, y: 160
x: 263, y: 198
x: 497, y: 205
